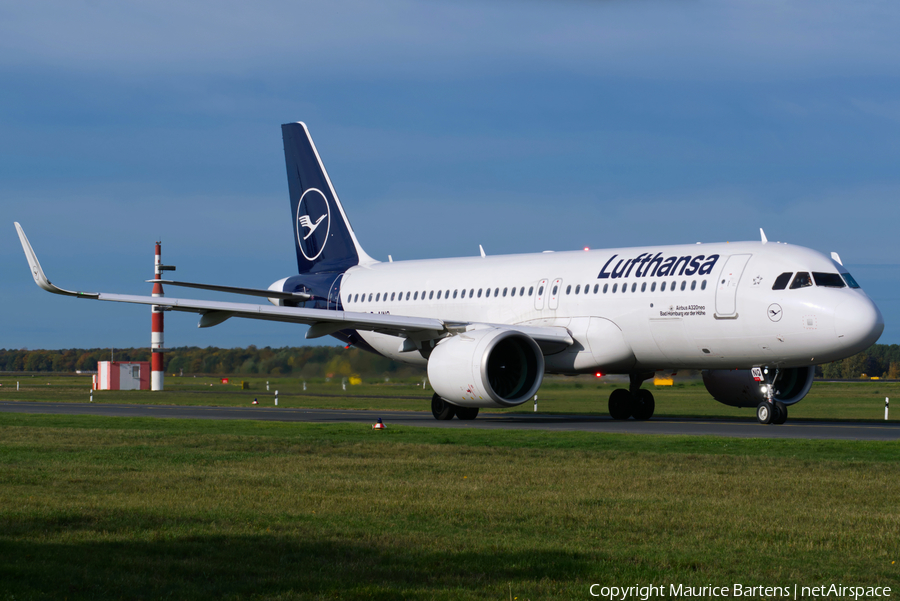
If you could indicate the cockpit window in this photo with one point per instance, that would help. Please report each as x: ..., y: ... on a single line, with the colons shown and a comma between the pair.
x: 801, y: 280
x: 850, y: 281
x: 781, y: 281
x: 829, y: 280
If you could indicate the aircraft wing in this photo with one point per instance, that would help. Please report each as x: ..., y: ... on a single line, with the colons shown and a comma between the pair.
x: 322, y: 322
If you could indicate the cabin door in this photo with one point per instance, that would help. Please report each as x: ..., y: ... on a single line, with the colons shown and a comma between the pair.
x: 726, y: 290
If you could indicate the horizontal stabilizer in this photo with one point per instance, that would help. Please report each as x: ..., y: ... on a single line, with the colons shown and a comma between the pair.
x: 295, y: 296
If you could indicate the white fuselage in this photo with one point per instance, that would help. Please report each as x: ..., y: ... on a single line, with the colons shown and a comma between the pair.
x: 632, y: 309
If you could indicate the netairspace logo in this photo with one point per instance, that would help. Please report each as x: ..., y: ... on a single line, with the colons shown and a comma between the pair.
x: 795, y: 591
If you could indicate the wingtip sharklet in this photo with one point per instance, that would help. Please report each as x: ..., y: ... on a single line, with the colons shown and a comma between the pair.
x: 37, y: 272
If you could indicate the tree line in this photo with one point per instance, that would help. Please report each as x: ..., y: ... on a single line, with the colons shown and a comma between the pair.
x: 305, y: 361
x: 879, y: 360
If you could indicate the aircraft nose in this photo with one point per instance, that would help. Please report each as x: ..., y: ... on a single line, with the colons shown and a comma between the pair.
x: 858, y: 323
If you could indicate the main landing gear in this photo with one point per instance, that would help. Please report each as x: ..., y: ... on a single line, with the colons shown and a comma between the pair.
x: 771, y: 411
x: 441, y: 409
x: 634, y: 402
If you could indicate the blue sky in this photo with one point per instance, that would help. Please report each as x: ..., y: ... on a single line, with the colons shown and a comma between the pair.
x: 521, y: 126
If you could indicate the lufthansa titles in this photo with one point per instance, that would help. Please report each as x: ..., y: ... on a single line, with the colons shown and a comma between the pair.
x: 648, y: 265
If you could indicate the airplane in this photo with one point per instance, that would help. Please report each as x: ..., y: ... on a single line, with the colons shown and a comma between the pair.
x: 755, y: 317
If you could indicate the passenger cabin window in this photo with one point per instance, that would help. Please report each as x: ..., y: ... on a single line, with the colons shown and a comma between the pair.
x: 522, y: 291
x: 801, y: 280
x: 540, y: 290
x: 496, y: 292
x: 682, y: 284
x: 653, y: 287
x: 615, y: 287
x: 634, y: 287
x: 644, y: 287
x: 781, y: 281
x: 828, y: 280
x: 569, y: 289
x: 505, y: 291
x: 416, y: 295
x: 662, y: 287
x: 471, y: 293
x: 703, y: 285
x: 596, y: 288
x: 431, y: 295
x: 694, y: 285
x: 479, y: 293
x: 605, y: 287
x: 454, y: 293
x: 512, y: 291
x: 378, y: 297
x: 439, y: 295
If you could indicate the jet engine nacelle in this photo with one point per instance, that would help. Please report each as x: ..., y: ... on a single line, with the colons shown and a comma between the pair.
x: 486, y: 368
x: 736, y: 387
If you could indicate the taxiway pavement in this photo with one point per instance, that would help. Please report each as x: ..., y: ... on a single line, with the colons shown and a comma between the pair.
x: 683, y: 426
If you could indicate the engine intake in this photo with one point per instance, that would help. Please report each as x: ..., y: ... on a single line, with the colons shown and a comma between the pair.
x: 736, y: 387
x: 486, y: 368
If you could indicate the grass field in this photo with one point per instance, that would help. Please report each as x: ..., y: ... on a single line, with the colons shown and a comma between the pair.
x: 852, y: 401
x: 114, y: 508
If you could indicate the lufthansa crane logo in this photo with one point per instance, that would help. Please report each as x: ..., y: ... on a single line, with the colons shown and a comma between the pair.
x: 774, y: 312
x: 313, y: 223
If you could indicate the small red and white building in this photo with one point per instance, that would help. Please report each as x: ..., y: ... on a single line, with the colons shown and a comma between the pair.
x: 122, y: 375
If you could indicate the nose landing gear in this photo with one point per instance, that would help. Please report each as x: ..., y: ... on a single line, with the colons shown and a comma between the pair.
x: 771, y: 411
x: 634, y: 402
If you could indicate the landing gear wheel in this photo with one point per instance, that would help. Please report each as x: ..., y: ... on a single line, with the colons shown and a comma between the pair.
x: 620, y: 404
x: 467, y: 412
x: 441, y: 409
x: 780, y: 413
x: 765, y: 412
x: 642, y: 405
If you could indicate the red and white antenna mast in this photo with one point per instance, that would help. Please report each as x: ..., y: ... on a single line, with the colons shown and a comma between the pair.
x: 157, y: 346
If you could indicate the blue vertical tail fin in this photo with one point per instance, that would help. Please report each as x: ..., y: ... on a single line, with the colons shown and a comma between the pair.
x: 323, y: 237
